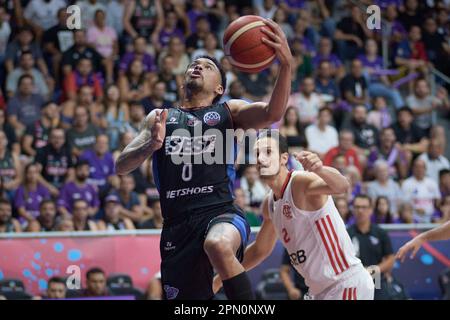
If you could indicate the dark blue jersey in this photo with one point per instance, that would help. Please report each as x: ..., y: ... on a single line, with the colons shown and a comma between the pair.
x: 194, y: 169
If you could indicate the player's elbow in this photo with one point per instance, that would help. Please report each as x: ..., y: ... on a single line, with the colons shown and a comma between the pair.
x: 344, y: 186
x: 121, y: 168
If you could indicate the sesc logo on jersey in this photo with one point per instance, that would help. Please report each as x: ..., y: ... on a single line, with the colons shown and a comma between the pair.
x: 211, y: 118
x: 186, y: 146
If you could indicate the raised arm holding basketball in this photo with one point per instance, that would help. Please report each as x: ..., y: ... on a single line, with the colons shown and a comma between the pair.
x: 260, y: 115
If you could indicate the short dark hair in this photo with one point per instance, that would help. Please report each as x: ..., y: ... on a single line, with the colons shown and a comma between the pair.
x: 5, y: 201
x: 23, y: 77
x: 56, y: 280
x: 46, y: 201
x: 405, y: 109
x: 443, y: 172
x: 94, y: 270
x: 25, y: 52
x: 328, y: 109
x: 363, y: 196
x: 81, y: 163
x: 275, y: 134
x: 222, y: 74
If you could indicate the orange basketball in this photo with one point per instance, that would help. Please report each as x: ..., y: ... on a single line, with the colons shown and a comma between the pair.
x: 243, y: 45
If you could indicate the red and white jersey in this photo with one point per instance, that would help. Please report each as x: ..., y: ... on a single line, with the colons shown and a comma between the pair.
x: 318, y: 244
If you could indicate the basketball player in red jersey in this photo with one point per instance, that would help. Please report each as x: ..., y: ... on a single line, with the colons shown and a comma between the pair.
x: 300, y: 211
x: 202, y: 227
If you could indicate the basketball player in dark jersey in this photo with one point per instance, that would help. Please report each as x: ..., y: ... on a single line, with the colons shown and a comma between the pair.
x: 202, y: 228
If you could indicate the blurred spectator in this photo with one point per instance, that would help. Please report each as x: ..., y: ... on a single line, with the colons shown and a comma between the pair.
x: 230, y: 75
x: 144, y: 18
x: 96, y: 283
x: 345, y: 148
x: 129, y: 199
x: 351, y: 33
x: 411, y: 137
x: 134, y: 84
x: 25, y: 107
x: 7, y: 223
x: 65, y: 224
x: 171, y: 79
x: 114, y: 115
x: 46, y: 220
x: 140, y: 53
x: 157, y: 98
x: 384, y: 185
x: 307, y: 102
x: 354, y: 86
x: 301, y: 63
x: 12, y: 144
x: 434, y: 160
x: 210, y: 48
x: 43, y: 86
x: 266, y: 8
x: 437, y: 48
x: 29, y: 195
x: 104, y: 39
x: 197, y: 39
x: 250, y: 215
x: 397, y: 159
x: 170, y: 29
x: 101, y: 164
x: 280, y: 17
x: 423, y: 104
x: 411, y: 53
x: 82, y: 134
x: 156, y: 221
x: 405, y: 213
x: 80, y: 216
x: 325, y: 84
x: 89, y: 8
x: 56, y: 288
x: 254, y: 189
x: 85, y: 98
x: 137, y: 115
x: 24, y: 42
x: 10, y: 167
x: 177, y: 50
x: 379, y: 116
x: 55, y: 41
x: 382, y: 212
x: 293, y: 130
x: 379, y: 84
x: 41, y: 15
x: 444, y: 182
x: 54, y: 161
x: 112, y: 219
x: 325, y: 54
x: 366, y: 135
x: 411, y: 15
x: 356, y: 184
x: 37, y: 134
x: 443, y: 214
x: 372, y: 244
x: 114, y: 18
x: 80, y: 50
x: 79, y: 189
x: 395, y: 31
x: 5, y: 32
x: 344, y: 210
x: 83, y: 75
x: 236, y: 91
x: 322, y: 136
x: 296, y: 287
x: 422, y: 192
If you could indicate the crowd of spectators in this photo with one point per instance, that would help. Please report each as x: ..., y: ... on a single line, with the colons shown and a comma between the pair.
x: 71, y: 99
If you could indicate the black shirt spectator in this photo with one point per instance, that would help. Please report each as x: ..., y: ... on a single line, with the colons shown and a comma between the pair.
x: 354, y: 86
x: 412, y: 16
x: 366, y: 135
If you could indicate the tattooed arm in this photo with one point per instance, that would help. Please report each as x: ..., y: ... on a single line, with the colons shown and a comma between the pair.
x: 149, y: 139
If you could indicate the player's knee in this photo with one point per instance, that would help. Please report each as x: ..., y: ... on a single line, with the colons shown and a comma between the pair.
x: 217, y: 247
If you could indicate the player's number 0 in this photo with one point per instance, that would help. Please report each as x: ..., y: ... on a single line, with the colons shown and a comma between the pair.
x: 186, y: 175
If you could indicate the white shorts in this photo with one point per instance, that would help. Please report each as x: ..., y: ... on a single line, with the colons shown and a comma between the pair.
x: 357, y: 285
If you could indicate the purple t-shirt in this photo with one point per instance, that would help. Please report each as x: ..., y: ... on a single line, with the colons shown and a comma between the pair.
x: 31, y: 200
x: 294, y: 4
x: 147, y: 61
x: 100, y: 168
x: 383, y: 4
x: 164, y: 36
x: 192, y: 16
x: 375, y: 64
x: 332, y: 58
x: 71, y: 192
